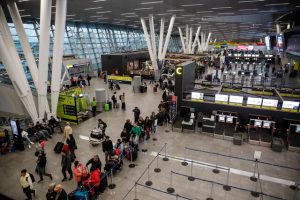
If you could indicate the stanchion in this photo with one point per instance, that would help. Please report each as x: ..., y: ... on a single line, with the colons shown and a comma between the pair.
x: 216, y: 171
x: 146, y: 144
x: 227, y: 187
x: 157, y: 169
x: 297, y: 186
x: 170, y: 189
x: 111, y: 185
x: 165, y: 158
x: 135, y: 193
x: 154, y: 134
x: 131, y: 165
x: 148, y: 182
x: 191, y: 178
x: 211, y: 190
x: 184, y: 163
x: 255, y: 193
x: 253, y: 177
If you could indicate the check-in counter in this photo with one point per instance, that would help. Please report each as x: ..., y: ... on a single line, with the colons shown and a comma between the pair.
x: 209, y: 125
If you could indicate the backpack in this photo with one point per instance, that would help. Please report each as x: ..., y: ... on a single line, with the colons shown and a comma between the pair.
x: 113, y: 98
x: 31, y: 177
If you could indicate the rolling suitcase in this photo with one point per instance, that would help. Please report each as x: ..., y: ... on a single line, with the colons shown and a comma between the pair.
x: 82, y: 195
x: 58, y: 147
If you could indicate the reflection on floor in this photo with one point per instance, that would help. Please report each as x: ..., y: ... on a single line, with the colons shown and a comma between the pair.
x: 274, y: 181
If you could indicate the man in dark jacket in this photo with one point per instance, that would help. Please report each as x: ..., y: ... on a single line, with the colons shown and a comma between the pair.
x: 128, y: 125
x: 41, y: 165
x: 95, y: 162
x: 137, y: 113
x: 60, y: 193
x: 51, y: 195
x: 102, y: 125
x: 66, y: 165
x: 107, y: 147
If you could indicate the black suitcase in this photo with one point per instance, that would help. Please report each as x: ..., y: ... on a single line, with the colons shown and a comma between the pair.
x: 58, y: 147
x: 134, y: 154
x: 110, y: 105
x: 96, y: 136
x: 103, y: 182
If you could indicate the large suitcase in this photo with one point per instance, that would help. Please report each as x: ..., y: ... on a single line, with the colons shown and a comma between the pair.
x: 103, y: 182
x: 58, y: 147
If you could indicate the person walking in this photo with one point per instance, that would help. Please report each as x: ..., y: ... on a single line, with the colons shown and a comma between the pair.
x: 102, y: 125
x: 94, y: 104
x: 41, y: 165
x: 66, y: 165
x: 60, y: 193
x: 51, y: 195
x: 69, y: 139
x: 122, y: 99
x: 88, y: 78
x: 114, y: 100
x: 107, y: 147
x: 27, y: 184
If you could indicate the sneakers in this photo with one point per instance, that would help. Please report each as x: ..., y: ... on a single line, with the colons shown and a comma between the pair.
x: 70, y: 178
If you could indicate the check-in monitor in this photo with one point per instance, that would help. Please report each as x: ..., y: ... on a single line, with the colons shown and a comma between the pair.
x: 297, y: 129
x: 257, y: 123
x: 229, y: 119
x: 266, y: 124
x: 221, y: 118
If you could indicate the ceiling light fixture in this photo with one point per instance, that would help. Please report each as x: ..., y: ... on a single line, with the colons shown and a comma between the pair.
x: 151, y: 2
x: 144, y: 8
x: 277, y: 4
x: 95, y: 16
x: 187, y: 16
x: 219, y: 8
x: 98, y: 1
x: 23, y: 1
x: 101, y: 12
x: 92, y: 8
x: 128, y: 14
x: 190, y: 5
x: 25, y: 15
x: 226, y: 13
x: 252, y: 1
x: 206, y: 11
x: 179, y: 10
x: 71, y: 15
x: 268, y: 11
x: 249, y: 9
x: 132, y: 16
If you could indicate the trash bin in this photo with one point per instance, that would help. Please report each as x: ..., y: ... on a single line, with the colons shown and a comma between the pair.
x: 106, y: 107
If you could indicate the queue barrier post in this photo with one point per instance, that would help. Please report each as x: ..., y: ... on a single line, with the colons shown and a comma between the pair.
x: 255, y: 193
x: 135, y: 193
x: 165, y: 157
x: 191, y: 178
x: 216, y: 170
x: 253, y: 177
x: 211, y: 191
x: 148, y: 182
x: 157, y: 169
x: 170, y: 189
x: 131, y: 165
x: 111, y: 185
x: 184, y: 163
x: 227, y: 187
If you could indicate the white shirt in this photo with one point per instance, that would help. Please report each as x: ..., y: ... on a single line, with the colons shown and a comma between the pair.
x: 26, y: 181
x: 24, y: 134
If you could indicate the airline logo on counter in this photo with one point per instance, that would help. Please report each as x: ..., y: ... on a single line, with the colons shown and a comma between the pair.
x: 179, y: 70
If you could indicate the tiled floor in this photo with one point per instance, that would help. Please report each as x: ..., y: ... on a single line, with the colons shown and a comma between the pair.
x: 12, y: 163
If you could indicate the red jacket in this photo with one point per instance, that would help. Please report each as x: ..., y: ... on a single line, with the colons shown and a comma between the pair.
x: 95, y: 177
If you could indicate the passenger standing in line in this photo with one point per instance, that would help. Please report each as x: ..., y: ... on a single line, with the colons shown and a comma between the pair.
x: 136, y: 133
x: 51, y: 195
x: 107, y: 147
x: 114, y: 100
x: 66, y: 165
x: 137, y: 113
x: 95, y: 162
x: 79, y: 172
x: 94, y: 104
x: 26, y: 184
x: 122, y: 98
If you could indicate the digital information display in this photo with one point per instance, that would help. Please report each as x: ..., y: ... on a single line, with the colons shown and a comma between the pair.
x: 257, y: 123
x: 221, y: 98
x: 229, y: 119
x: 14, y: 127
x: 221, y: 118
x: 252, y: 101
x: 266, y: 124
x: 270, y: 103
x: 290, y: 106
x: 236, y: 99
x: 197, y: 96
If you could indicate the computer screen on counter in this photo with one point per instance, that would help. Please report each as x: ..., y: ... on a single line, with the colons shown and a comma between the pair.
x: 257, y: 123
x: 229, y: 119
x: 267, y: 124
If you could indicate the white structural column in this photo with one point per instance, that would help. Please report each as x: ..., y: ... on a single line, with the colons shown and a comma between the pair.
x: 45, y: 18
x: 60, y: 22
x: 168, y: 37
x: 187, y: 37
x: 182, y: 40
x: 152, y: 37
x: 195, y: 40
x: 14, y: 68
x: 14, y: 12
x: 190, y: 39
x: 147, y: 38
x: 207, y: 41
x: 161, y: 37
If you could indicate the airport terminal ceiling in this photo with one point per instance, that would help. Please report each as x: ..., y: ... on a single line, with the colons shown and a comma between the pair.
x: 226, y: 19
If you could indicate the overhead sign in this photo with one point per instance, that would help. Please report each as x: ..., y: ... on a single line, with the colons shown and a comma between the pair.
x: 197, y: 96
x: 254, y: 102
x: 179, y: 70
x: 221, y: 98
x: 119, y: 78
x: 236, y: 99
x: 291, y: 106
x: 270, y: 104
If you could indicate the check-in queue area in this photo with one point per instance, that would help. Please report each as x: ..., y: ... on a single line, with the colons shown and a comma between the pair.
x: 261, y: 116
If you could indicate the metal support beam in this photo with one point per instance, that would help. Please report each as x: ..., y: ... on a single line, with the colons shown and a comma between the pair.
x: 147, y: 38
x: 60, y: 22
x: 152, y: 37
x: 195, y: 40
x: 182, y: 40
